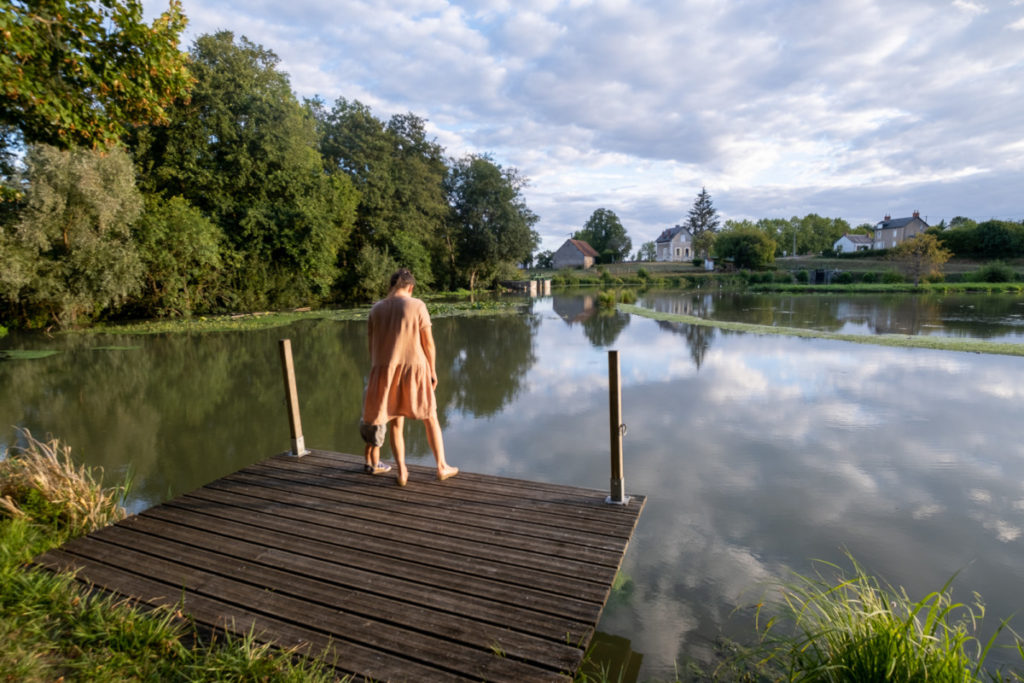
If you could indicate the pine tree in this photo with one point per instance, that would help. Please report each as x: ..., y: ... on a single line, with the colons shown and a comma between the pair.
x: 703, y: 215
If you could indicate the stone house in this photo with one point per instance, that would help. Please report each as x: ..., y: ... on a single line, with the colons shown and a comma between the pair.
x: 574, y: 254
x: 848, y: 243
x: 674, y: 244
x: 890, y: 232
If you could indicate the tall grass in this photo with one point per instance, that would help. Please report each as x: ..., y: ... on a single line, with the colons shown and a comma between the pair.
x: 41, y: 482
x: 838, y: 626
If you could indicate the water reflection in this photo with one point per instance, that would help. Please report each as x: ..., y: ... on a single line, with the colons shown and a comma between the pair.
x: 601, y: 326
x: 757, y: 453
x: 990, y: 316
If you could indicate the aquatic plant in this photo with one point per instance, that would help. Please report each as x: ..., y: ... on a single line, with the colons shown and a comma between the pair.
x: 837, y: 625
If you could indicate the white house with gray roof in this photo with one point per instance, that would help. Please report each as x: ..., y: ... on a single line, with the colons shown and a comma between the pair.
x: 674, y: 244
x: 848, y: 243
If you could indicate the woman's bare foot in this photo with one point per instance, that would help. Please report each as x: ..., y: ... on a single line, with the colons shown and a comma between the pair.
x: 403, y: 476
x: 447, y: 472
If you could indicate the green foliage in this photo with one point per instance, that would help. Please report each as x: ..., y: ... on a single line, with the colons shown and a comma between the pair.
x: 921, y: 256
x: 844, y: 278
x: 71, y: 255
x: 400, y: 175
x: 994, y: 271
x: 604, y: 232
x: 835, y: 626
x: 373, y: 269
x: 648, y: 252
x: 891, y: 277
x: 491, y: 223
x: 180, y: 250
x: 746, y: 245
x: 783, y: 277
x: 991, y: 239
x: 244, y: 153
x: 81, y: 73
x: 545, y: 259
x: 803, y: 277
x: 869, y: 277
x: 703, y: 216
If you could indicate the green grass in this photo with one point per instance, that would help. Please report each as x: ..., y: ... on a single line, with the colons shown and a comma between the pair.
x: 879, y: 288
x: 52, y: 628
x: 897, y: 340
x: 272, y: 319
x: 839, y: 626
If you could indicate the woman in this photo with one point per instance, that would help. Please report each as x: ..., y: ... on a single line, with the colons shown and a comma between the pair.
x: 403, y: 374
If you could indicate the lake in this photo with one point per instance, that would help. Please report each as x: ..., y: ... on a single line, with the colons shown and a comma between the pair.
x: 758, y: 454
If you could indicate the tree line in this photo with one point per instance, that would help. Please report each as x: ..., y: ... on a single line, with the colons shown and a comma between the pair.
x: 139, y: 180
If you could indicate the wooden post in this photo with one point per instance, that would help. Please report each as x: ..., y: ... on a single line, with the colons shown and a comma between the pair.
x: 292, y: 397
x: 616, y: 430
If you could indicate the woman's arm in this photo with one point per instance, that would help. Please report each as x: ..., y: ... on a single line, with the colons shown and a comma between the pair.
x: 427, y: 342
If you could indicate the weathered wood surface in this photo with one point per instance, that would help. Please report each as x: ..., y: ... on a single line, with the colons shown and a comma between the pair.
x: 475, y: 578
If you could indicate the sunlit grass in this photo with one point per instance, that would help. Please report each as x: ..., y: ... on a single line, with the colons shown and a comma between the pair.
x: 837, y: 626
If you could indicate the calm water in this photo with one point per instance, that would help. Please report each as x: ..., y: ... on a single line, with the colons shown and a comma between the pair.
x: 995, y: 317
x: 757, y: 454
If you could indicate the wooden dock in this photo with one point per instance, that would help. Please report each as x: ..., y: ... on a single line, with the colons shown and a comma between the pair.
x: 475, y: 578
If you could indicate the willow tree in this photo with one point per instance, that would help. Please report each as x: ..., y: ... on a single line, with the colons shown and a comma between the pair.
x: 71, y: 255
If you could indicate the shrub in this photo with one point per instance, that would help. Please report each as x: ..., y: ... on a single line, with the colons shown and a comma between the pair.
x: 698, y: 262
x: 891, y: 277
x: 803, y: 277
x: 642, y: 273
x: 869, y: 277
x: 995, y: 271
x: 935, y: 277
x: 845, y: 278
x: 783, y: 277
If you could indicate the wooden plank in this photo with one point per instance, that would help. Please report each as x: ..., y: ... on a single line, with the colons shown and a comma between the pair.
x: 499, y: 585
x: 475, y: 578
x: 152, y: 534
x: 352, y: 659
x: 571, y: 556
x: 474, y: 506
x: 417, y: 545
x: 453, y: 621
x: 426, y: 648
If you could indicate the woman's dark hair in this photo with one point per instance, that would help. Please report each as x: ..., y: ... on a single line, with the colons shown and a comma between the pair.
x: 402, y: 278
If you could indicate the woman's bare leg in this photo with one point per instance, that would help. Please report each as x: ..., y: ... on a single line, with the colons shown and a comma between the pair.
x: 436, y: 441
x: 398, y: 448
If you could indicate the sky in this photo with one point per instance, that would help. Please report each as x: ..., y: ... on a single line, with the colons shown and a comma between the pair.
x: 852, y: 109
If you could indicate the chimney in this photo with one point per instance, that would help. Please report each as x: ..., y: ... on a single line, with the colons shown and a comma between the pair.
x: 888, y: 217
x: 917, y: 214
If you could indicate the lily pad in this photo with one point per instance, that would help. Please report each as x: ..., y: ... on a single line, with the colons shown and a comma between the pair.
x: 26, y: 354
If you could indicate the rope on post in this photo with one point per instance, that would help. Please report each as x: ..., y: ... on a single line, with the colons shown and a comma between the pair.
x: 292, y: 397
x: 616, y: 431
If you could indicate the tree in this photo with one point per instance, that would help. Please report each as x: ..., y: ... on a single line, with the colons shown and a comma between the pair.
x: 648, y: 252
x: 244, y: 152
x: 180, y: 250
x: 75, y: 72
x: 545, y: 259
x: 400, y: 175
x: 491, y: 224
x: 703, y: 216
x: 71, y: 254
x: 920, y: 256
x: 604, y: 232
x: 746, y: 245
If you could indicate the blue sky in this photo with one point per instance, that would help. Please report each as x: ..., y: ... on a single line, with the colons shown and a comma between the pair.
x: 849, y: 108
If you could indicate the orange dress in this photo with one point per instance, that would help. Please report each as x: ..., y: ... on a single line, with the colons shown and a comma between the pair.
x: 399, y: 383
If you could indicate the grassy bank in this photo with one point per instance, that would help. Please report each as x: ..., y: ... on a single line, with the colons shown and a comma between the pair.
x: 52, y: 629
x: 895, y: 288
x: 906, y: 341
x: 271, y: 319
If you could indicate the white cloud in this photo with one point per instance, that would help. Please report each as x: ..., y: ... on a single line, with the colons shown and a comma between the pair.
x: 844, y: 109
